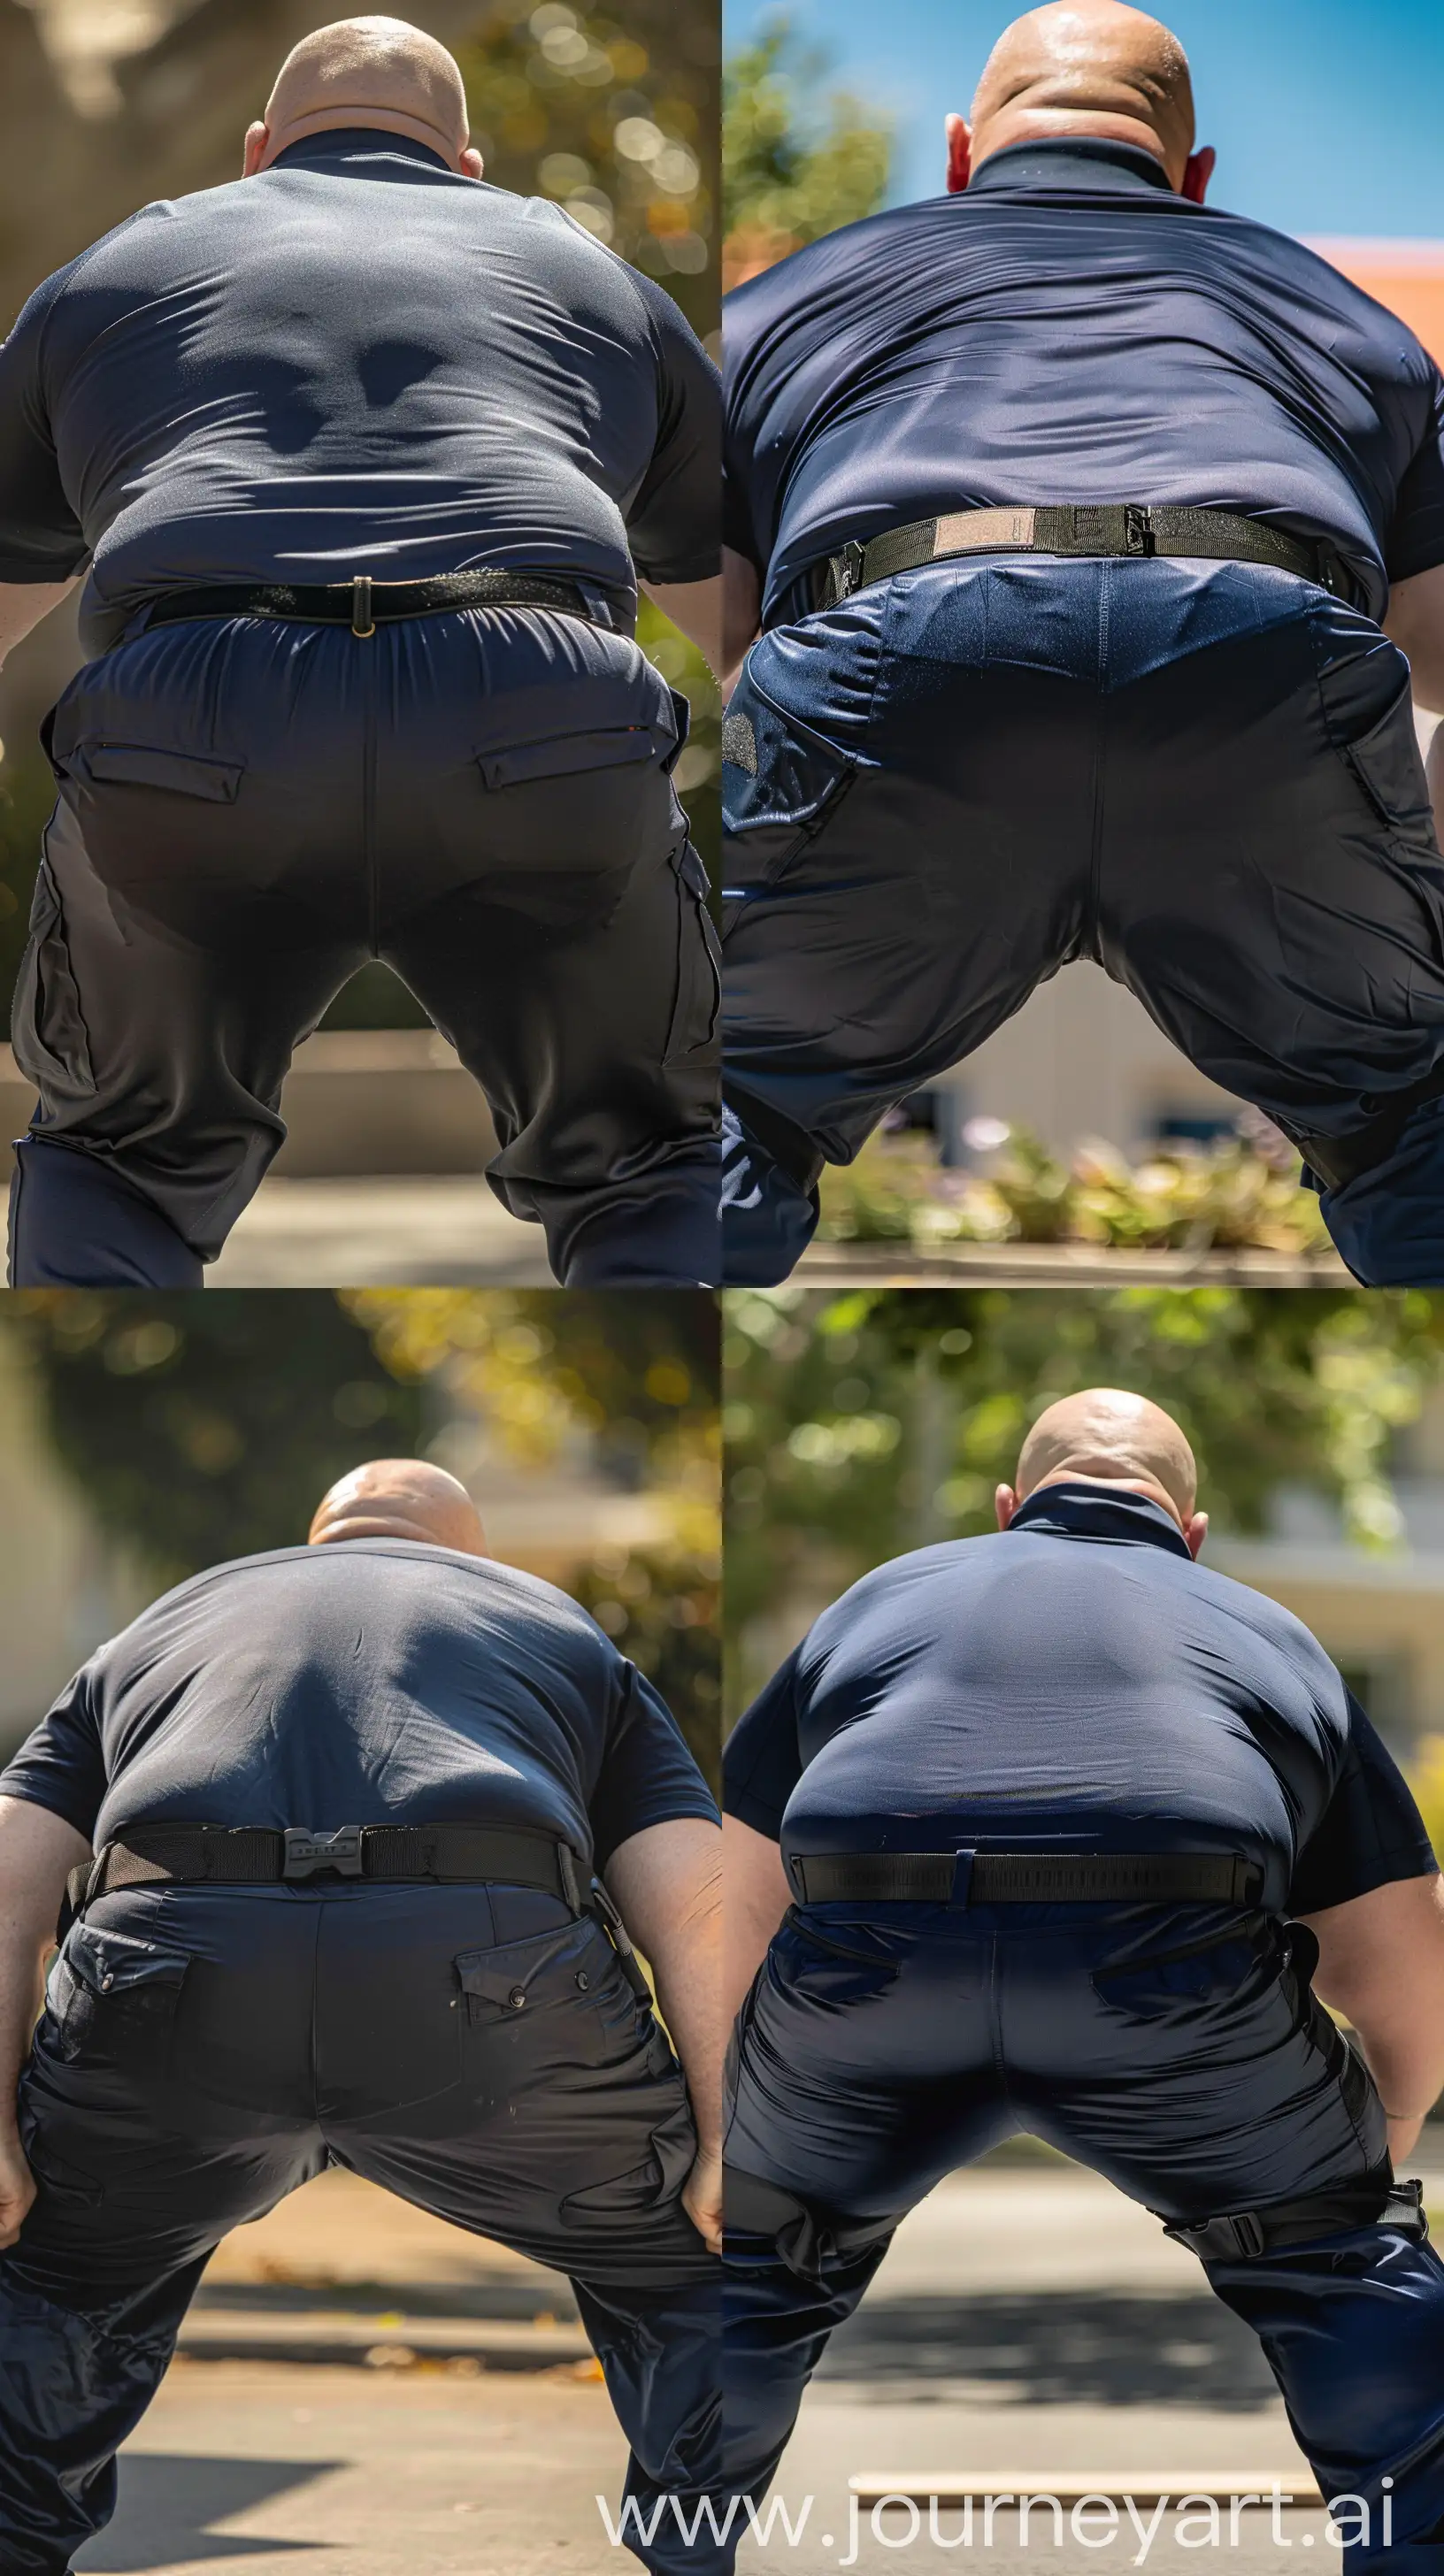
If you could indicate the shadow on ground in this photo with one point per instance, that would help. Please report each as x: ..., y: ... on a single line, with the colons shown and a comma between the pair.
x: 1067, y: 2348
x: 168, y: 2504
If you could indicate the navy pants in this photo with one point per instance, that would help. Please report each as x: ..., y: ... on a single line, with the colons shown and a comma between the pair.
x: 1204, y: 777
x: 205, y: 2050
x: 1176, y: 2050
x: 249, y: 811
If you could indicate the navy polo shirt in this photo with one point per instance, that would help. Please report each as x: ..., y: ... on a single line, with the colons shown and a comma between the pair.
x: 1068, y: 329
x: 367, y: 1681
x: 358, y: 360
x: 1075, y: 1678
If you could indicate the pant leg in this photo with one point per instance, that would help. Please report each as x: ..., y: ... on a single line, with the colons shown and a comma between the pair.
x: 140, y: 2170
x: 1183, y: 2056
x: 902, y: 866
x: 200, y: 899
x: 1270, y: 883
x: 557, y: 2124
x: 862, y: 2072
x: 74, y: 1222
x: 539, y: 894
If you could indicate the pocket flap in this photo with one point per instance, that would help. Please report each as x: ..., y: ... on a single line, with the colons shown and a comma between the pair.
x: 113, y: 1962
x: 1389, y: 766
x: 659, y: 2177
x: 537, y: 1970
x: 562, y: 755
x: 140, y: 764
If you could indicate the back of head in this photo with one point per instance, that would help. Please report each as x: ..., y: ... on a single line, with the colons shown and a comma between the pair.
x: 1087, y: 68
x: 1106, y: 1436
x: 400, y: 1498
x: 369, y: 71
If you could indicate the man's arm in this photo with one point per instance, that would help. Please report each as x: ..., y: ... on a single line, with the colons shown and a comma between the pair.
x: 1414, y: 620
x: 38, y: 1850
x: 695, y: 609
x: 1381, y: 1964
x: 741, y: 611
x: 756, y: 1898
x: 24, y: 603
x: 667, y: 1882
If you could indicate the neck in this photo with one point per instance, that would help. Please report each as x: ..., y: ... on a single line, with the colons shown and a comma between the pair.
x: 1144, y: 1485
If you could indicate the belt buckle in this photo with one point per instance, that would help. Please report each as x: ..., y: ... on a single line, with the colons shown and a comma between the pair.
x: 1137, y: 530
x: 362, y: 621
x: 849, y: 570
x: 306, y: 1852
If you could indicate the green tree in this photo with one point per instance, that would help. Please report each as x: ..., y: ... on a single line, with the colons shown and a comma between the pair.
x: 791, y: 173
x: 860, y: 1424
x: 205, y: 1427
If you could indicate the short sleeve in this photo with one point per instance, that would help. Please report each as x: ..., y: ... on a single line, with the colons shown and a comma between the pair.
x: 61, y: 1764
x: 1415, y: 540
x: 648, y: 1776
x: 762, y: 1757
x: 1371, y: 1831
x: 41, y: 539
x: 674, y: 520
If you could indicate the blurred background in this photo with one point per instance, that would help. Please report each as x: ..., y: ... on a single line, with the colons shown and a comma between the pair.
x: 106, y: 105
x: 1028, y: 2322
x: 1078, y: 1122
x: 145, y: 1436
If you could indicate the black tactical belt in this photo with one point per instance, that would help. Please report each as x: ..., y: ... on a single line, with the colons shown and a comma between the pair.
x: 1027, y: 1878
x: 1375, y: 2201
x: 364, y: 604
x: 257, y: 1855
x: 1118, y: 528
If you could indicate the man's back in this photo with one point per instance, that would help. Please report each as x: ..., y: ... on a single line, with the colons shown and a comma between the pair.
x: 1069, y: 329
x: 357, y: 359
x: 1078, y: 1675
x: 379, y: 1680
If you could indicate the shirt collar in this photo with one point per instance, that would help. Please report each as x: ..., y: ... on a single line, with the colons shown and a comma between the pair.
x: 1095, y: 1511
x: 1067, y: 161
x: 346, y: 145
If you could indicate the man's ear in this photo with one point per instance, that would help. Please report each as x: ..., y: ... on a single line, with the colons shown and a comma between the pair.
x: 1005, y: 1504
x: 471, y: 164
x: 960, y: 154
x: 1197, y: 172
x: 1196, y: 1531
x: 257, y: 138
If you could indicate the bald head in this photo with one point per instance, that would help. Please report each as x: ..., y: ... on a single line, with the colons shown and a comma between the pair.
x: 400, y: 1498
x: 1089, y: 68
x: 367, y: 71
x: 1107, y: 1437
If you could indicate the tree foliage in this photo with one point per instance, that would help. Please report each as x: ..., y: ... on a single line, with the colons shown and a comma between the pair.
x: 860, y: 1424
x: 206, y: 1427
x: 793, y: 172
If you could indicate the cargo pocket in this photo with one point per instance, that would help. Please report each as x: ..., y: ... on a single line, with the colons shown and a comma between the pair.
x: 1388, y: 766
x: 139, y: 764
x: 51, y: 1044
x: 698, y: 999
x: 780, y: 783
x: 111, y: 2001
x: 659, y: 2177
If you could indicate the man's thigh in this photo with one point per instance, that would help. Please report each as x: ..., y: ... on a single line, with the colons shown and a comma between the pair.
x: 1270, y: 884
x: 484, y: 2055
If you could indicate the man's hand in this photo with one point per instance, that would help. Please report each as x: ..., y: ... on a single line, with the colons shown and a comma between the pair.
x: 695, y: 609
x: 17, y: 2186
x: 702, y: 2197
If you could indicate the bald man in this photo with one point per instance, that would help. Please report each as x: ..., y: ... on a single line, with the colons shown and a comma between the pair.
x: 361, y: 460
x: 1058, y: 1832
x: 345, y: 1836
x: 1078, y: 518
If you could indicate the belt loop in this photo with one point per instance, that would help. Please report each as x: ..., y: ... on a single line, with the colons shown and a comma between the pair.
x: 1137, y: 528
x: 567, y: 1872
x: 962, y: 1878
x: 362, y: 621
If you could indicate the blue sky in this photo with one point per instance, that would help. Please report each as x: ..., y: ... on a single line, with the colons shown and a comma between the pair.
x: 1327, y: 115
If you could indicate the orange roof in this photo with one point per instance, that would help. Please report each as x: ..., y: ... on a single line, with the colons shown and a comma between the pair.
x: 1408, y: 276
